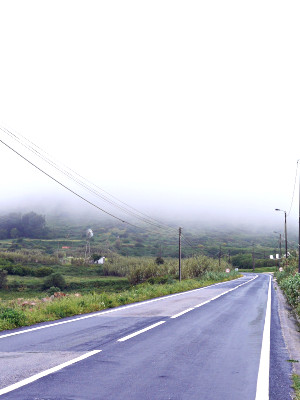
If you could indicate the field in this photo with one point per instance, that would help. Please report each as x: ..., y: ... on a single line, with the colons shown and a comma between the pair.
x: 82, y: 287
x: 55, y: 275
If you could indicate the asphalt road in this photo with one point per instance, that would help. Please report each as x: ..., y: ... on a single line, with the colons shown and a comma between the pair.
x: 207, y: 344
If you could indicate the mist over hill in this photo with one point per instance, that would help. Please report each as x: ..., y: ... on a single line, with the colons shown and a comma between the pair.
x: 68, y: 218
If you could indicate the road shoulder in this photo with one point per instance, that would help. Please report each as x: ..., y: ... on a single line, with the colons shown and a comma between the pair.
x: 290, y: 328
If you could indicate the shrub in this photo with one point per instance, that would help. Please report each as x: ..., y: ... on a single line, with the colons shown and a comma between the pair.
x: 14, y: 317
x: 291, y: 287
x: 42, y: 271
x: 24, y: 271
x: 55, y: 279
x: 53, y: 289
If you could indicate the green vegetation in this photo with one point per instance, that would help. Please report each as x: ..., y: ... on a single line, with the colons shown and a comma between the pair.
x: 296, y: 386
x: 32, y: 292
x: 38, y: 262
x: 289, y: 281
x: 259, y: 270
x: 17, y: 312
x: 15, y: 225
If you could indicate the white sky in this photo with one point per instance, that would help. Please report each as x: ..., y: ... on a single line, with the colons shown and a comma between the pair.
x: 182, y: 105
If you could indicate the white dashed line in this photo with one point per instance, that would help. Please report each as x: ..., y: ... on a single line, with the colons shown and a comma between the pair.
x: 100, y: 313
x: 46, y: 372
x: 141, y: 331
x: 182, y: 312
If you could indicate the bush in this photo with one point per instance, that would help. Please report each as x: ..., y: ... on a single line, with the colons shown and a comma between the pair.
x: 291, y: 287
x: 53, y: 289
x: 55, y: 279
x: 28, y: 271
x: 42, y: 271
x: 14, y: 317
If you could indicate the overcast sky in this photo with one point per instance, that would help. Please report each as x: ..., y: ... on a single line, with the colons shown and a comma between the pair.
x: 168, y: 105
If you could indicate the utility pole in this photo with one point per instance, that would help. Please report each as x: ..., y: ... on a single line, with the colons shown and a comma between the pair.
x: 299, y: 226
x: 285, y: 233
x: 179, y: 254
x: 229, y: 256
x: 253, y: 258
x: 279, y: 245
x: 220, y: 256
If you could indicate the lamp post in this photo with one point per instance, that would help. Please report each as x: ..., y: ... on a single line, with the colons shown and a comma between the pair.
x: 279, y: 243
x: 285, y: 234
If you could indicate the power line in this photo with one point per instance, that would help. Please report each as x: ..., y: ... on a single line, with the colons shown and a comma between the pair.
x: 135, y: 213
x: 190, y: 244
x: 66, y: 187
x: 185, y: 240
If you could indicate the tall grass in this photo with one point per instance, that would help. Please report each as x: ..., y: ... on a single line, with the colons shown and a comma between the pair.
x: 140, y: 269
x: 14, y: 313
x: 27, y: 256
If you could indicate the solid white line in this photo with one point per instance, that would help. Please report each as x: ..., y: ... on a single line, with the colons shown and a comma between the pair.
x: 262, y: 388
x: 45, y: 373
x: 100, y: 313
x: 182, y: 312
x: 141, y: 331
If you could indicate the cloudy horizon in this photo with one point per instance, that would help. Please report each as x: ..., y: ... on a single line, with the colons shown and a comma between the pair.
x: 174, y: 108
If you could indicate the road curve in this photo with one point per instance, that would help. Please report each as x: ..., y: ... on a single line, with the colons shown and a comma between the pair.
x: 203, y: 344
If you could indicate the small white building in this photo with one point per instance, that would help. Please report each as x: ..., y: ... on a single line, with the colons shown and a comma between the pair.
x: 100, y: 261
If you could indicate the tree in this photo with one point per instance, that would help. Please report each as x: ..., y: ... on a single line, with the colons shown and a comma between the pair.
x: 14, y: 233
x: 56, y: 280
x: 33, y: 225
x: 30, y: 225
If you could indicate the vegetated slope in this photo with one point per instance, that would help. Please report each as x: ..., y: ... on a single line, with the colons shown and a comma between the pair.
x: 65, y: 235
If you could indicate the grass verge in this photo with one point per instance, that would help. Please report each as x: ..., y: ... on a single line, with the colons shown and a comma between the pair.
x: 296, y: 386
x: 16, y: 313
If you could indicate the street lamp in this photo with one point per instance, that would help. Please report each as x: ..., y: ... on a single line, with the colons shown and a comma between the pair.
x: 285, y: 234
x: 279, y: 243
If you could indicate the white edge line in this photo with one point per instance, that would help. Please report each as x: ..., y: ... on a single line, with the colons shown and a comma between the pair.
x: 262, y: 387
x: 141, y: 331
x: 46, y: 372
x: 100, y: 313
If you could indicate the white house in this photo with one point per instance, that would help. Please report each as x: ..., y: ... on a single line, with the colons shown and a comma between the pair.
x: 100, y: 261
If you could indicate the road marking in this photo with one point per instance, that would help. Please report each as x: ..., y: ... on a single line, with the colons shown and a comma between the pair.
x: 100, y: 313
x: 262, y: 388
x: 182, y: 312
x: 45, y: 373
x: 141, y: 331
x: 222, y: 294
x: 214, y: 298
